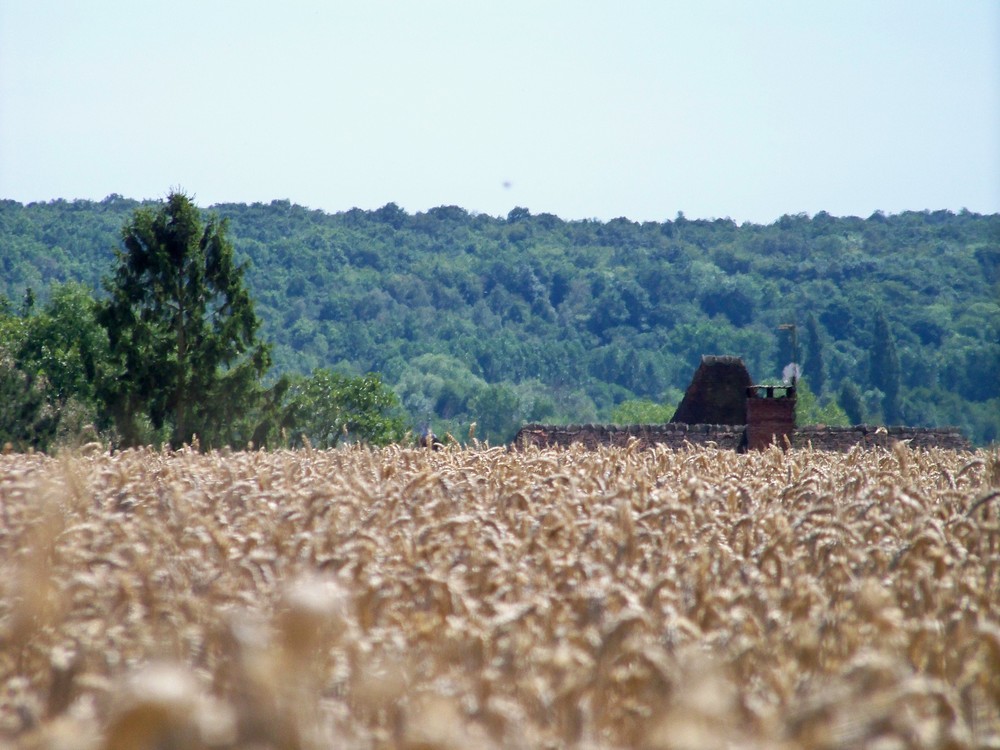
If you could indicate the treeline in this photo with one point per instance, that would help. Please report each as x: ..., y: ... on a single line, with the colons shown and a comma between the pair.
x: 170, y: 355
x: 501, y: 320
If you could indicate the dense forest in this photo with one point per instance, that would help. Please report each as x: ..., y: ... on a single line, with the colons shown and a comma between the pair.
x: 500, y: 320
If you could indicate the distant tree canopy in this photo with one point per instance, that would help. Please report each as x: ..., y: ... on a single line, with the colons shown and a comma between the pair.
x: 494, y: 320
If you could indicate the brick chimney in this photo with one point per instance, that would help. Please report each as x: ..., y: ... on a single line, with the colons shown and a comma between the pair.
x: 770, y: 415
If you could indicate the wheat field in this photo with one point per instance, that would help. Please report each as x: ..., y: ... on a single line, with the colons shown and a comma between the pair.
x: 486, y: 598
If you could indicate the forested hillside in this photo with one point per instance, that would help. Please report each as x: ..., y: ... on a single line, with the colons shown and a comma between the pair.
x: 473, y: 318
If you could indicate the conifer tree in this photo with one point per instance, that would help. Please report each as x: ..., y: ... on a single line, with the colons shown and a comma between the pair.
x: 851, y: 402
x: 813, y: 368
x: 885, y: 370
x: 182, y: 329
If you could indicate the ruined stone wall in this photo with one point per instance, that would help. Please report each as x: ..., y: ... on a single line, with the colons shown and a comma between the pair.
x: 675, y: 435
x: 870, y: 436
x: 671, y: 435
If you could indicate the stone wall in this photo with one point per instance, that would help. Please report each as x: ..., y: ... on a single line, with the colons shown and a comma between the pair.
x: 672, y: 435
x: 870, y: 436
x: 675, y: 435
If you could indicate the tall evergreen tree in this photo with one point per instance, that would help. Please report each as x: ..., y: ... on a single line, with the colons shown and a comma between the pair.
x: 851, y: 402
x: 182, y: 328
x: 787, y: 348
x: 813, y: 368
x: 885, y: 371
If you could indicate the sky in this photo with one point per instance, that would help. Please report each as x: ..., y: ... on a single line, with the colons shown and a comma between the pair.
x: 582, y: 108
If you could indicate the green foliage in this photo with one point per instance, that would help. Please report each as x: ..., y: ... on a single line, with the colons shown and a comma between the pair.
x: 26, y: 419
x: 814, y: 368
x: 50, y: 361
x: 642, y: 411
x: 592, y: 314
x: 182, y: 329
x: 849, y: 399
x: 67, y: 343
x: 885, y: 370
x: 329, y: 408
x: 810, y: 410
x: 438, y: 385
x: 496, y: 409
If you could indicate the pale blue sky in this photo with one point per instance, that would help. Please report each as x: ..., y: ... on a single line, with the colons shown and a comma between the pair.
x: 580, y: 108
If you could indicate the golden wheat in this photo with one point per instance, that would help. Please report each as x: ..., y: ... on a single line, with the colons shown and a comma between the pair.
x: 485, y: 598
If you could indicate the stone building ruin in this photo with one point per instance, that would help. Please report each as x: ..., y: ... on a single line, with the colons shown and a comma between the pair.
x: 723, y: 407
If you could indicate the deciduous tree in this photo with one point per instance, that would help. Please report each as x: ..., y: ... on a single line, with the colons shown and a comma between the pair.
x: 329, y: 407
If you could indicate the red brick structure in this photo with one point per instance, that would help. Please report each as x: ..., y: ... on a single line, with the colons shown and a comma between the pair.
x: 770, y: 415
